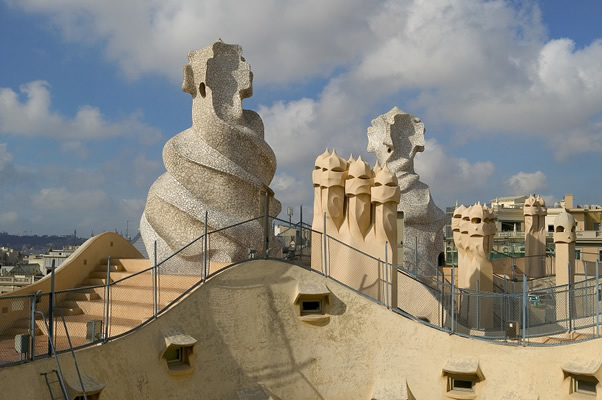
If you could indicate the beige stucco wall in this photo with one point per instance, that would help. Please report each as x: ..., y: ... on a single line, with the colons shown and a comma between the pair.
x: 249, y: 332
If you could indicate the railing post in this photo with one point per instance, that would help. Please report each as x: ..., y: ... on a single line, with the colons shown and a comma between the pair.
x: 300, y: 233
x: 155, y: 283
x: 505, y: 302
x: 34, y: 301
x: 597, y: 298
x: 56, y: 359
x: 205, y: 245
x: 441, y: 301
x: 524, y: 310
x: 387, y: 275
x: 266, y: 226
x: 107, y: 300
x: 453, y: 295
x: 325, y: 251
x: 51, y: 311
x: 586, y: 287
x: 478, y: 304
x: 416, y: 256
x: 569, y: 300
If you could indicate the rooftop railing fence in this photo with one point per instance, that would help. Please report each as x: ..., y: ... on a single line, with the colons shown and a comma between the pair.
x: 120, y: 304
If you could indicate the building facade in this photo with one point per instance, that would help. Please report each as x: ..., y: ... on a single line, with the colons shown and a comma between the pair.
x: 509, y: 240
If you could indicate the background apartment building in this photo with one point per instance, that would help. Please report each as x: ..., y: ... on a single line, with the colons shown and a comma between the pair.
x: 509, y: 240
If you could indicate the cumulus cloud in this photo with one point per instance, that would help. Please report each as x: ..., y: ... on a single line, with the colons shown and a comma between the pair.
x: 524, y: 183
x: 577, y: 141
x: 153, y: 36
x: 485, y: 66
x: 63, y: 199
x: 10, y: 174
x: 293, y: 191
x: 290, y: 129
x: 483, y: 70
x: 8, y: 217
x: 33, y: 116
x: 145, y: 170
x: 5, y: 157
x: 132, y: 208
x: 452, y: 178
x: 77, y: 148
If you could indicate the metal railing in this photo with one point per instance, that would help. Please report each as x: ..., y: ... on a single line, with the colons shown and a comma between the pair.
x: 100, y: 313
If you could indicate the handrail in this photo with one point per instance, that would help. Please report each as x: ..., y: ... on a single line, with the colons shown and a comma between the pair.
x: 58, y: 365
x: 79, y: 376
x: 441, y: 290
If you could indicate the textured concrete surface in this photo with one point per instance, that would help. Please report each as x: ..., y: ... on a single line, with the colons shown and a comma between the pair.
x: 395, y: 138
x: 535, y: 212
x: 249, y: 334
x: 220, y: 166
x: 360, y: 204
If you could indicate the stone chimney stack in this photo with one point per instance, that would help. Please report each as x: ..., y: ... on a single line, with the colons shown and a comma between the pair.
x: 564, y: 240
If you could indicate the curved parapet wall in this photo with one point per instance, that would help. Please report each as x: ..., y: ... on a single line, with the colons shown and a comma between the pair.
x: 71, y: 273
x: 246, y: 335
x: 220, y: 166
x: 78, y: 265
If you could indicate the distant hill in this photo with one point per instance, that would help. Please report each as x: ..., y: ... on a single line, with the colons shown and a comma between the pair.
x: 34, y: 244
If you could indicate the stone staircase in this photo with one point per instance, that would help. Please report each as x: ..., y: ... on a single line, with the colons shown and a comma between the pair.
x: 131, y: 303
x: 88, y: 303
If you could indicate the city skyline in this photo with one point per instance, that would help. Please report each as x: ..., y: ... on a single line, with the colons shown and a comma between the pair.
x: 510, y: 94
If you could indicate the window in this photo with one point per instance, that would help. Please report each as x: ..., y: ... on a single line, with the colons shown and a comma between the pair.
x: 599, y: 255
x: 460, y: 384
x: 582, y: 374
x: 550, y: 228
x: 173, y: 355
x: 596, y: 226
x: 95, y: 396
x: 584, y: 385
x: 311, y: 307
x: 578, y: 254
x: 462, y: 376
x: 312, y: 303
x: 177, y: 352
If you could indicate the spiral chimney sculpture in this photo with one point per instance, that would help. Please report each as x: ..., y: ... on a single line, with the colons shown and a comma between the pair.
x: 220, y: 166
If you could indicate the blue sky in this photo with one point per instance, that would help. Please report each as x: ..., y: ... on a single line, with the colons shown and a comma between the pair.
x: 510, y: 93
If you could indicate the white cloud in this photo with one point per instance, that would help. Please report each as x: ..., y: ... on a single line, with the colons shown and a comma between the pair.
x: 132, y: 208
x: 149, y: 36
x: 450, y: 177
x: 10, y: 174
x: 524, y: 183
x: 145, y: 171
x: 481, y: 69
x: 484, y: 66
x: 577, y: 141
x: 8, y: 217
x: 290, y: 130
x: 292, y: 191
x: 63, y: 199
x: 34, y: 117
x: 76, y: 147
x: 5, y: 157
